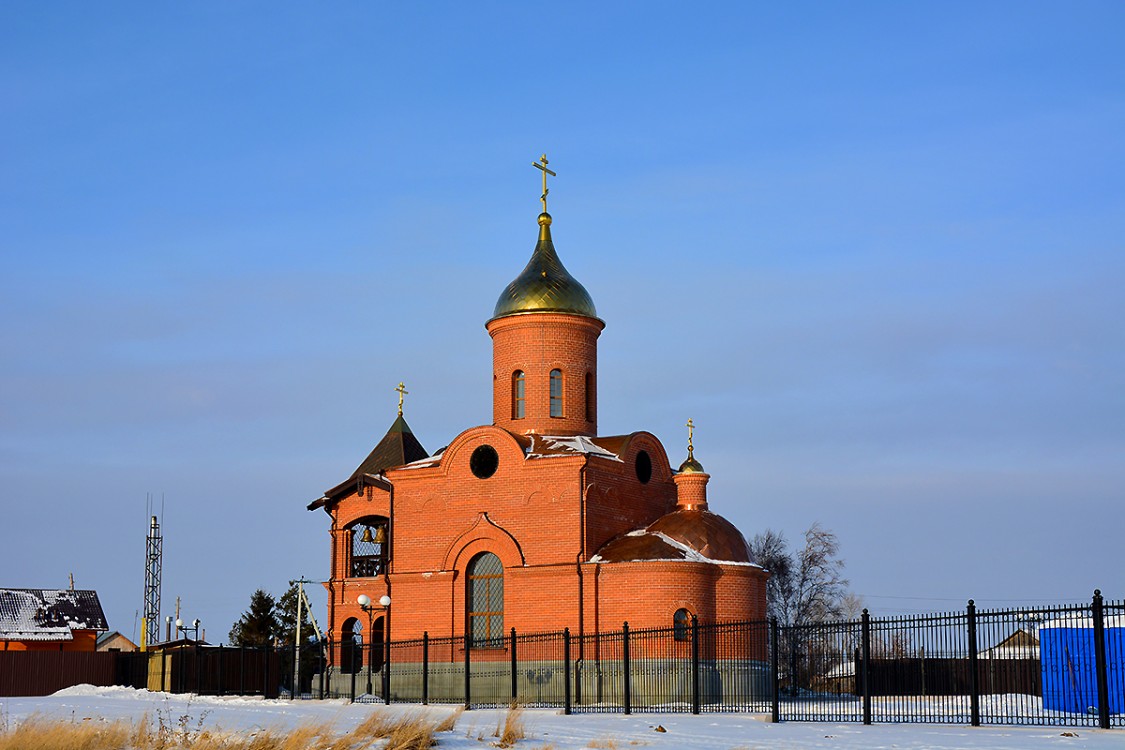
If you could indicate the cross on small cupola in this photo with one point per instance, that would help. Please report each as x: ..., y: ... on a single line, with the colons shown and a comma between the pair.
x: 690, y: 465
x: 401, y: 390
x: 542, y: 165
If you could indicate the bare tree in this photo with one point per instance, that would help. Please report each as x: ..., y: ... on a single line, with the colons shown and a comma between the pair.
x: 804, y: 588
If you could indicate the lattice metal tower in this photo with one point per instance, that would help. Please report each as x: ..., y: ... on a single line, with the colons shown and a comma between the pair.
x: 154, y: 556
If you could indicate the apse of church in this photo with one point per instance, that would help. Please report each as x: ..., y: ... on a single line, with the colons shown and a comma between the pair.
x: 534, y: 522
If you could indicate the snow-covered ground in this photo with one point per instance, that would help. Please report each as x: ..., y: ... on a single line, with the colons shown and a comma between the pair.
x: 548, y: 727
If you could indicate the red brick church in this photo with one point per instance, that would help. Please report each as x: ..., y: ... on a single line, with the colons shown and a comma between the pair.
x: 534, y: 522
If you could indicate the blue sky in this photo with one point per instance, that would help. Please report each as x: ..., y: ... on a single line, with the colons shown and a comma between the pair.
x: 873, y: 250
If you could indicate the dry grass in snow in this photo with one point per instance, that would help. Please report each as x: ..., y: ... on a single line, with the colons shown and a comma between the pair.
x: 387, y: 731
x: 511, y: 730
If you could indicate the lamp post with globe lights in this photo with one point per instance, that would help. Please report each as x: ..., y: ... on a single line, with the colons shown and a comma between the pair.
x: 180, y: 626
x: 364, y: 602
x: 386, y: 602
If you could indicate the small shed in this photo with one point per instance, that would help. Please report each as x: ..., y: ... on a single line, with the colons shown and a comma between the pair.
x: 1070, y: 681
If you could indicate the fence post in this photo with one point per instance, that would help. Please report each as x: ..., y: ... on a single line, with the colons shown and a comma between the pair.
x: 220, y: 685
x: 566, y: 671
x: 468, y: 691
x: 515, y: 673
x: 694, y: 664
x: 357, y: 655
x: 387, y: 665
x: 198, y: 670
x: 425, y: 667
x: 627, y: 682
x: 579, y: 668
x: 974, y: 687
x: 1100, y: 666
x: 164, y: 684
x: 775, y: 647
x: 865, y: 645
x: 242, y: 670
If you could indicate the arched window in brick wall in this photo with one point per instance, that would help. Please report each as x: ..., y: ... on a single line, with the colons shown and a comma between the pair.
x: 518, y: 394
x: 556, y: 393
x: 589, y: 397
x: 681, y: 625
x: 370, y: 541
x: 485, y: 601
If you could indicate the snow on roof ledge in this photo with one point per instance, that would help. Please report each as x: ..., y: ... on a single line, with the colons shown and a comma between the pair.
x: 556, y: 445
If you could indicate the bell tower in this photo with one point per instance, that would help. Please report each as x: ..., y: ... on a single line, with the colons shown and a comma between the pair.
x: 545, y: 345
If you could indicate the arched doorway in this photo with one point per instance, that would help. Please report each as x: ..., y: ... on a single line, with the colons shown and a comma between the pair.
x: 351, y: 640
x: 375, y: 652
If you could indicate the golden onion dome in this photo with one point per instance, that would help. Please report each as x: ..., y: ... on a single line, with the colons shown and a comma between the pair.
x: 544, y: 285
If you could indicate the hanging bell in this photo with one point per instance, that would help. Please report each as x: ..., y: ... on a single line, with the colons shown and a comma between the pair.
x: 367, y: 538
x: 381, y: 535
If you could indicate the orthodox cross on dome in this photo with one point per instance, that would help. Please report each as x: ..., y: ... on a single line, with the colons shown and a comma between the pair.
x: 542, y: 165
x: 401, y: 390
x: 690, y: 435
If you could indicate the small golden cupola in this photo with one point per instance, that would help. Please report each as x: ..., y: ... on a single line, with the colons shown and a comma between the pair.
x: 691, y: 479
x: 689, y: 532
x: 544, y: 285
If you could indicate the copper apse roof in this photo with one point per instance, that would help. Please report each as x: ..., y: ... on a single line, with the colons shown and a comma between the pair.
x: 706, y: 533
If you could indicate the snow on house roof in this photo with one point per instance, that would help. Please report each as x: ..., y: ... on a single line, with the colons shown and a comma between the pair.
x: 1084, y: 622
x: 48, y: 614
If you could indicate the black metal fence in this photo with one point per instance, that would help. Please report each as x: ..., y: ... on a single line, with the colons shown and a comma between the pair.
x: 1062, y: 665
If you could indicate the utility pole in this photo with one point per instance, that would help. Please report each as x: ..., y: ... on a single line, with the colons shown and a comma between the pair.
x: 300, y: 583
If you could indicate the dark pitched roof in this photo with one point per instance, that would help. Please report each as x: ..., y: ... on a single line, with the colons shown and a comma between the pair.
x: 398, y: 447
x: 48, y: 614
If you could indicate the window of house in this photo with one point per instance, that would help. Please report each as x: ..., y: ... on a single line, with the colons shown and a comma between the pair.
x: 485, y: 600
x: 556, y: 393
x: 518, y: 386
x: 370, y: 539
x: 681, y: 625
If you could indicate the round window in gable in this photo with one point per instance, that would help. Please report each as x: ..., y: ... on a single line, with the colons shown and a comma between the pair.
x: 643, y: 467
x: 484, y: 461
